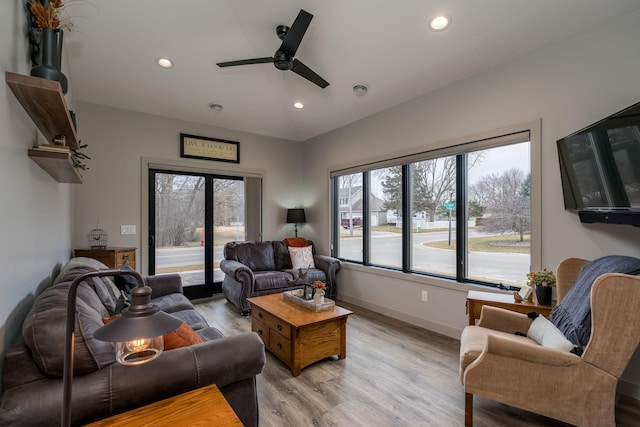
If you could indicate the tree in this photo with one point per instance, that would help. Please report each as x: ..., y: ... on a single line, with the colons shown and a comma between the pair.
x: 350, y: 183
x: 179, y: 208
x: 507, y: 198
x: 433, y: 184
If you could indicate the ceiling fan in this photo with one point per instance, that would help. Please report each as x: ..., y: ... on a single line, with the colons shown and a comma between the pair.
x: 284, y: 59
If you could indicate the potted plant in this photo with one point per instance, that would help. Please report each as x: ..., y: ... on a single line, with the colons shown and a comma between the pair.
x: 543, y: 283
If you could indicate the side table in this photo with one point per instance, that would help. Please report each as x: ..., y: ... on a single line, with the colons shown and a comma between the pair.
x: 476, y: 299
x: 204, y: 406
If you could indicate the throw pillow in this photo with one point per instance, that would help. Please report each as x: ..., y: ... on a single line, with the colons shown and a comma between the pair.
x: 546, y: 334
x: 302, y: 257
x: 296, y: 242
x: 184, y: 336
x: 125, y: 282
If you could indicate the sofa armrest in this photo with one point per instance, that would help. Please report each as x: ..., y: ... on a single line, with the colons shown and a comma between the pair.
x: 237, y: 270
x: 500, y: 319
x: 164, y: 284
x: 330, y: 266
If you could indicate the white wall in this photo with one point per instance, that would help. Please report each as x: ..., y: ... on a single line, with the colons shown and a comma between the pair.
x: 568, y: 85
x: 36, y: 216
x: 111, y: 194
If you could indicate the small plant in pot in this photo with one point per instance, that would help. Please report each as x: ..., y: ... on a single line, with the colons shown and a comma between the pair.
x: 543, y: 283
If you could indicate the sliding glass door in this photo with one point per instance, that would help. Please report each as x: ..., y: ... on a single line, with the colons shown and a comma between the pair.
x: 191, y: 217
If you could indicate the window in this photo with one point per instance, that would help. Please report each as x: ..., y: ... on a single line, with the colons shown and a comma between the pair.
x: 462, y: 212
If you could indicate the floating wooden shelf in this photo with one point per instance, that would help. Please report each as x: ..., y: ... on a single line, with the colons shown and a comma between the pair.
x: 57, y: 164
x: 44, y: 101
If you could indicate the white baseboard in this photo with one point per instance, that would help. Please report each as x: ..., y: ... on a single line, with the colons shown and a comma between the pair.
x: 417, y: 321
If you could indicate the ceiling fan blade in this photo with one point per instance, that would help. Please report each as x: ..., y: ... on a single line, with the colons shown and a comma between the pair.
x: 296, y: 33
x: 302, y: 70
x: 245, y: 62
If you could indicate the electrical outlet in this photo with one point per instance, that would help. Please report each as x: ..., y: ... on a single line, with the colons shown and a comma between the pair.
x: 424, y: 296
x: 127, y: 229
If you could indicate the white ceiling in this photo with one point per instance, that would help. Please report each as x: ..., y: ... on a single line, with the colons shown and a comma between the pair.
x: 384, y: 44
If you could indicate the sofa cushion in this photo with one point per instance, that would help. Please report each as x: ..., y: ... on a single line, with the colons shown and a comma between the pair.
x: 192, y: 318
x: 313, y: 274
x: 172, y: 302
x: 267, y: 280
x: 44, y: 331
x: 258, y: 256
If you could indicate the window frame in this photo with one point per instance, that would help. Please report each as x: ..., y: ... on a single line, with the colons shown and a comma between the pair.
x: 484, y: 140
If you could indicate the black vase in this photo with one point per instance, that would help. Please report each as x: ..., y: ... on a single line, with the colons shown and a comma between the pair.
x: 51, y: 61
x: 543, y: 294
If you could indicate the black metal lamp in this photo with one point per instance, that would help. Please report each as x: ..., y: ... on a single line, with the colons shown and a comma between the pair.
x: 296, y: 216
x: 137, y: 332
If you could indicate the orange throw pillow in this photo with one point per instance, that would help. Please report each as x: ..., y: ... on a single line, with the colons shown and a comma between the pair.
x: 296, y: 242
x: 184, y: 336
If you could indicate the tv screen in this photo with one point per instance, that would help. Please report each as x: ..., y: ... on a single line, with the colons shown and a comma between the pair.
x: 600, y: 165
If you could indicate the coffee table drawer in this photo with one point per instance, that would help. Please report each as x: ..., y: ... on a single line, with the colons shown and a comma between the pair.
x: 261, y: 329
x: 272, y: 322
x: 280, y: 346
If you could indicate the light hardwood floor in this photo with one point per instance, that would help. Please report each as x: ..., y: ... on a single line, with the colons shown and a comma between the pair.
x: 395, y: 374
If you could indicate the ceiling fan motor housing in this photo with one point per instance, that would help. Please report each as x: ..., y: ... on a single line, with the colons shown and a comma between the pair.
x: 282, y: 60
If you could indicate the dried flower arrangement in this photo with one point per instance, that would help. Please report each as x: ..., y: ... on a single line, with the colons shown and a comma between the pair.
x: 319, y: 285
x: 541, y: 278
x: 46, y: 14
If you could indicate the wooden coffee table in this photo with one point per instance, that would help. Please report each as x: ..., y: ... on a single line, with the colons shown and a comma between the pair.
x: 297, y: 336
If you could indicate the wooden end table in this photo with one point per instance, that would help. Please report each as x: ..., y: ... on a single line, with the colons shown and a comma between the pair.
x: 297, y: 336
x: 476, y: 299
x: 203, y: 406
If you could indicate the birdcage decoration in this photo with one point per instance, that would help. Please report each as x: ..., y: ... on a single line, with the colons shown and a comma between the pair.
x: 97, y: 238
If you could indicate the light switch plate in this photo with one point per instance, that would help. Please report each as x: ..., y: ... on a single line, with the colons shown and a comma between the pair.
x: 127, y: 229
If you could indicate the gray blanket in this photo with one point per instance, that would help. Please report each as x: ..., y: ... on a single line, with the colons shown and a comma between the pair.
x: 573, y: 315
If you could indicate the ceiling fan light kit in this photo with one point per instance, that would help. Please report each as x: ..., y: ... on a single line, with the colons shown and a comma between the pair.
x: 283, y: 59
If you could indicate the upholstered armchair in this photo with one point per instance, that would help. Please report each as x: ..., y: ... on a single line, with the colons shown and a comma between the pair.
x: 497, y: 364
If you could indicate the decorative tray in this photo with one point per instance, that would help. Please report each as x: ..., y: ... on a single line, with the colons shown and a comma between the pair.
x: 297, y: 296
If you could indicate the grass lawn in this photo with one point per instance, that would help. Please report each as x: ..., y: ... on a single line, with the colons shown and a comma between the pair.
x: 502, y: 243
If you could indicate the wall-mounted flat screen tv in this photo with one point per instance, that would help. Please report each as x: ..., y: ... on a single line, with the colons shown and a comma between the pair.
x: 600, y: 169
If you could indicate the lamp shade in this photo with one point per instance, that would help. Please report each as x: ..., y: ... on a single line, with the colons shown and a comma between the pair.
x: 296, y: 216
x: 141, y: 319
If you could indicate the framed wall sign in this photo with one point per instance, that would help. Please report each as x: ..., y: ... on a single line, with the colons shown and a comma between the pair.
x: 200, y: 147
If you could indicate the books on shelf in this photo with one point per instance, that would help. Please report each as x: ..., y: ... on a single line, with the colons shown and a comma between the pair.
x: 53, y: 147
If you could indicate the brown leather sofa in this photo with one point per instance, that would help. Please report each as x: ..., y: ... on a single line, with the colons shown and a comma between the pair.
x: 263, y: 268
x: 33, y: 366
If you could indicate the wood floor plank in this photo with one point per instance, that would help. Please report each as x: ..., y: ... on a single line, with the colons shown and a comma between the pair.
x: 395, y: 374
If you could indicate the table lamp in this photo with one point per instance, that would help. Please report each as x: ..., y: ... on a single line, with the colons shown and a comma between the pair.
x: 137, y: 332
x: 295, y: 216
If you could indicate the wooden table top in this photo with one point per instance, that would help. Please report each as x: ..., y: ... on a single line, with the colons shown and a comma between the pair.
x: 292, y: 313
x: 501, y: 298
x: 204, y: 406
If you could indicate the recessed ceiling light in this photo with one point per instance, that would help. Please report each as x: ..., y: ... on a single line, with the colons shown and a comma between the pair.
x: 164, y: 62
x: 299, y: 105
x: 440, y: 23
x: 215, y: 106
x: 360, y: 89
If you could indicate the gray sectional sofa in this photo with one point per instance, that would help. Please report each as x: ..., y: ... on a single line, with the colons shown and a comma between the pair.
x: 33, y: 366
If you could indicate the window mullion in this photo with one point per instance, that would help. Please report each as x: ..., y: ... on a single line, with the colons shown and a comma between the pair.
x: 366, y: 217
x: 461, y: 217
x: 406, y: 218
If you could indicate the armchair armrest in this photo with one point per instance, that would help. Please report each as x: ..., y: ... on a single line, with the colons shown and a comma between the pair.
x: 164, y: 284
x: 529, y: 352
x: 500, y: 319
